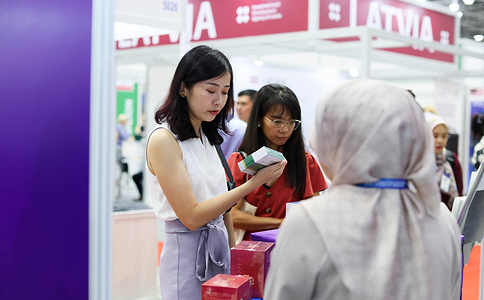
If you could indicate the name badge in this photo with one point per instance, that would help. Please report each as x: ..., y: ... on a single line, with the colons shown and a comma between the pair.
x: 445, y: 182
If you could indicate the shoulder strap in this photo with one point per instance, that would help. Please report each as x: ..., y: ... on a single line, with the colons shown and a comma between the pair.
x: 449, y: 156
x: 231, y: 182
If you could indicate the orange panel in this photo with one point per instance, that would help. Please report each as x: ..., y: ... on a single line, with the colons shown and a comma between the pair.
x: 160, y: 247
x: 470, y: 289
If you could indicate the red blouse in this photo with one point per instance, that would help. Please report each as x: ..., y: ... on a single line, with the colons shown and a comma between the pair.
x: 271, y: 202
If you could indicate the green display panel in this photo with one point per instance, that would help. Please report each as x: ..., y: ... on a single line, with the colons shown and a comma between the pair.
x: 127, y: 103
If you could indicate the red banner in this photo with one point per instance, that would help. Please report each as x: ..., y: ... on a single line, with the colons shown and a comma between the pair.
x: 221, y: 19
x: 394, y: 16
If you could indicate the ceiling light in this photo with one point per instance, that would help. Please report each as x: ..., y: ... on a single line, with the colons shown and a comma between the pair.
x: 479, y: 37
x: 354, y: 72
x: 468, y: 2
x: 460, y: 14
x: 258, y: 63
x: 454, y: 7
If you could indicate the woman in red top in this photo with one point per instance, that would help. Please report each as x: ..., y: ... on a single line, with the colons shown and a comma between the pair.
x: 274, y: 122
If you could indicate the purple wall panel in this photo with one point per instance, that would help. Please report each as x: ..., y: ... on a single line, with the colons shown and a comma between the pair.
x: 45, y: 49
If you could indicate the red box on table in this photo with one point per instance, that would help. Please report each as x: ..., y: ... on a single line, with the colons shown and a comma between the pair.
x: 252, y: 258
x: 227, y: 287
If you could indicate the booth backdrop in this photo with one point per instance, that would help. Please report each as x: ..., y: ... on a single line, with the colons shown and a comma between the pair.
x: 44, y: 154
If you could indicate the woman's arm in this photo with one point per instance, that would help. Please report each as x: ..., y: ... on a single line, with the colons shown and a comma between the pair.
x: 164, y: 159
x: 230, y: 228
x: 241, y: 219
x: 252, y: 223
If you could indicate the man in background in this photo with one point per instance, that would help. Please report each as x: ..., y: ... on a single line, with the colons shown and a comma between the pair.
x: 244, y: 104
x: 237, y: 126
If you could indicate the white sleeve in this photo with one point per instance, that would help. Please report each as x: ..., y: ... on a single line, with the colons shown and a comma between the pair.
x: 296, y: 259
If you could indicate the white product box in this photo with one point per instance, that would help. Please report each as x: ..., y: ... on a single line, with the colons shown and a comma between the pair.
x: 260, y: 159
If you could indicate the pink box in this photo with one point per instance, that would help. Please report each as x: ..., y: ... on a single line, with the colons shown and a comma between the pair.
x: 252, y: 258
x: 227, y: 287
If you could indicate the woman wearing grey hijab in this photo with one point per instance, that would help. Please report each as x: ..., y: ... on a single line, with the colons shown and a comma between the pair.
x: 380, y: 231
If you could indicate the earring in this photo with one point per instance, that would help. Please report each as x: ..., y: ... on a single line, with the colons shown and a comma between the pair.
x: 258, y: 125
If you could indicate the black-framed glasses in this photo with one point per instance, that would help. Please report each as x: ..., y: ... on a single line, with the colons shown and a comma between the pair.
x: 277, y: 124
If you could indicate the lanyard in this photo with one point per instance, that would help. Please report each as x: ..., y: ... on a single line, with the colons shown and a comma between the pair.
x: 386, y: 183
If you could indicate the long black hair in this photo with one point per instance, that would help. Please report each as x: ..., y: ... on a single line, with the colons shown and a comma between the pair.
x: 269, y: 97
x: 199, y: 64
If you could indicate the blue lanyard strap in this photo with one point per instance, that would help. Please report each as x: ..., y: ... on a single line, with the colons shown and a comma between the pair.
x: 386, y: 183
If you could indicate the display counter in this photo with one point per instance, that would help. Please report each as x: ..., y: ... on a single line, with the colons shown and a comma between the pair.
x: 134, y: 255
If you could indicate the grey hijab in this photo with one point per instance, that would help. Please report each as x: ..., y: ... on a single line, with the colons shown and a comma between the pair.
x: 365, y: 130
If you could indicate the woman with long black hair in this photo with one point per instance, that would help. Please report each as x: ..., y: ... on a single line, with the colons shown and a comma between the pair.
x: 186, y: 176
x: 274, y: 122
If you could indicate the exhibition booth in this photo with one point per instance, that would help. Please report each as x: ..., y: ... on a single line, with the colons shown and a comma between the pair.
x: 61, y: 238
x: 310, y: 46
